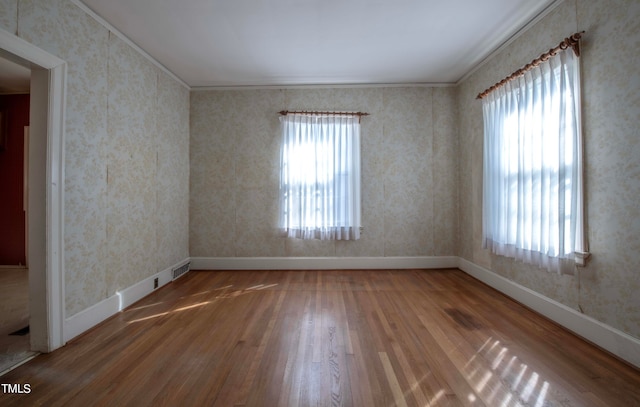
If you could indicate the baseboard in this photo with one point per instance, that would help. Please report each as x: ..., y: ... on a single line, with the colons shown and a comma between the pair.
x: 92, y: 316
x: 322, y: 263
x: 613, y: 340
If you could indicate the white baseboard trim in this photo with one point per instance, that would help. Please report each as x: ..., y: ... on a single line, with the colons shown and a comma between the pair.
x: 92, y: 316
x: 322, y: 263
x: 613, y: 340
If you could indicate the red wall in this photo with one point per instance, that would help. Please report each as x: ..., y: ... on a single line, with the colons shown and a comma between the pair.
x: 15, y: 110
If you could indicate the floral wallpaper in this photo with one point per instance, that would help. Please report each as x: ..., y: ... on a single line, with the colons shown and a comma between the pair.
x: 607, y: 288
x: 131, y: 165
x: 409, y: 172
x: 126, y: 142
x: 172, y: 173
x: 8, y: 15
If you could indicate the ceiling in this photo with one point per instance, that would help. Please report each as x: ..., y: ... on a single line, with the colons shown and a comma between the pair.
x: 217, y: 43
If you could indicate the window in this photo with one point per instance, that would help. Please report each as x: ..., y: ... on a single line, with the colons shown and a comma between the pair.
x: 532, y: 192
x: 320, y: 176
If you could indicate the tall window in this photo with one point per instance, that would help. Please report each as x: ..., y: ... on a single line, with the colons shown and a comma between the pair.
x: 320, y: 177
x: 532, y: 202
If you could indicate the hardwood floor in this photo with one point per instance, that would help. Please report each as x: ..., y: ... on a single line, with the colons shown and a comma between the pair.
x: 324, y: 338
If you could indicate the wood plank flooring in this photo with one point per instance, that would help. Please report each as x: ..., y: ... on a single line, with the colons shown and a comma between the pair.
x: 326, y: 338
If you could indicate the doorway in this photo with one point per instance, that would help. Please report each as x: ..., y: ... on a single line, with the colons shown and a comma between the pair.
x: 15, y: 346
x: 45, y: 190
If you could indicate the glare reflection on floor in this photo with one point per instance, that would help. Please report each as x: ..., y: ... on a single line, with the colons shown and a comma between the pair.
x: 506, y: 377
x: 224, y: 295
x: 170, y: 312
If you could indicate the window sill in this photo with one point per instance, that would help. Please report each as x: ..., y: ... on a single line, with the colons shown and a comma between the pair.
x: 581, y: 258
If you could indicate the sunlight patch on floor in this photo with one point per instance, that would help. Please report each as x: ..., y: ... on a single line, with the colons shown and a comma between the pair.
x: 494, y: 374
x: 161, y: 314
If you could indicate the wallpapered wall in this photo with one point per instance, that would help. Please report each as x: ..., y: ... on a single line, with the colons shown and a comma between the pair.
x: 607, y: 289
x: 127, y: 156
x: 409, y: 167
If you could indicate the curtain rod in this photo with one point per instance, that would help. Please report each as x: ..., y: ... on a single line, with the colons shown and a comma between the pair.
x: 359, y: 114
x: 573, y: 41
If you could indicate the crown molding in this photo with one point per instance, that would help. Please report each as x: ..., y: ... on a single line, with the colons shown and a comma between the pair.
x: 501, y: 47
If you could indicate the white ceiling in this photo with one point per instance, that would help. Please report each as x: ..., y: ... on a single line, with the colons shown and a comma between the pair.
x: 307, y: 42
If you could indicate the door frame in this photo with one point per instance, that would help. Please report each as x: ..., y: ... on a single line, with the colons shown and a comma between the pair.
x: 46, y: 191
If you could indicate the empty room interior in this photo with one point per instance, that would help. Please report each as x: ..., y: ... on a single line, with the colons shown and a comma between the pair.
x: 412, y: 203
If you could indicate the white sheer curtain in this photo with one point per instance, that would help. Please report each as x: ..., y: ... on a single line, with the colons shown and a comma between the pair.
x: 320, y: 177
x: 533, y: 187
